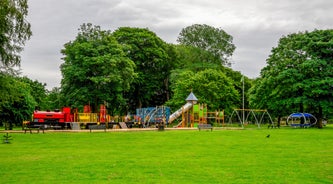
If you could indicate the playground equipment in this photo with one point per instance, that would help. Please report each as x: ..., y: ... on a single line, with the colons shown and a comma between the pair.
x: 303, y: 120
x: 180, y: 111
x: 258, y: 116
x: 191, y: 100
x: 70, y: 118
x: 88, y: 118
x: 216, y: 116
x: 152, y: 115
x: 193, y: 113
x: 196, y: 115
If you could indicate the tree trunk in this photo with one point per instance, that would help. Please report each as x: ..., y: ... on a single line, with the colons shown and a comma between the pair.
x: 320, y: 118
x: 140, y: 104
x: 166, y: 83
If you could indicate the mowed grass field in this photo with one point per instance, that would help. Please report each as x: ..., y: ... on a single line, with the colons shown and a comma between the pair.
x: 171, y: 156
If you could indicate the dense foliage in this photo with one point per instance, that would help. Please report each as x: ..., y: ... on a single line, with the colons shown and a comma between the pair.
x: 199, y: 71
x: 210, y: 86
x: 96, y: 70
x: 153, y: 64
x: 208, y: 38
x: 14, y: 31
x: 299, y: 76
x: 19, y: 97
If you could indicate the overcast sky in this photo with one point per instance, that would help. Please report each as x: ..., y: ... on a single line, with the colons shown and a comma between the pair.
x: 256, y: 26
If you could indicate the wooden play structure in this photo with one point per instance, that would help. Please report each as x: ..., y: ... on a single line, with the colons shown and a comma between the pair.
x: 193, y: 114
x: 196, y: 115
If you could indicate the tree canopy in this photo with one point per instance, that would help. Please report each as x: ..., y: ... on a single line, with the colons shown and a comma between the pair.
x: 195, y: 59
x: 19, y: 97
x: 213, y: 40
x: 96, y: 69
x: 210, y: 86
x: 14, y: 31
x: 192, y: 60
x: 298, y: 75
x: 153, y: 65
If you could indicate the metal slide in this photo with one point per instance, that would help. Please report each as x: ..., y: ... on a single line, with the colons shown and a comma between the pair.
x: 176, y: 114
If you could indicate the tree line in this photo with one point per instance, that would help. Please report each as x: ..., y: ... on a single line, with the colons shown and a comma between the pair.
x: 130, y: 68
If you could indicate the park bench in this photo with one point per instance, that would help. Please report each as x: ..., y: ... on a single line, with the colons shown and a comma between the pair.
x: 33, y: 127
x: 205, y: 126
x: 41, y: 127
x: 97, y: 127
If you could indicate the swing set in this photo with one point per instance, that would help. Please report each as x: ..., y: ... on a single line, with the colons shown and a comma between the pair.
x: 257, y: 115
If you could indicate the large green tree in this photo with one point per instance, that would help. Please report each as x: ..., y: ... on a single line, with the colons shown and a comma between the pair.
x: 210, y: 86
x: 211, y: 39
x: 194, y: 59
x: 17, y: 102
x: 53, y: 99
x: 299, y: 75
x: 96, y: 70
x: 153, y: 60
x: 14, y: 31
x: 38, y: 91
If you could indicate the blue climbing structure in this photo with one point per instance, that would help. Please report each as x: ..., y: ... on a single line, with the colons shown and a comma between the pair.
x: 153, y: 115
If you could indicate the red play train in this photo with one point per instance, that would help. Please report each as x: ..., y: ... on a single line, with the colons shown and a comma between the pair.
x: 61, y: 119
x: 57, y: 118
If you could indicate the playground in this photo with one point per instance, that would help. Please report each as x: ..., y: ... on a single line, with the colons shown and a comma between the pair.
x: 190, y: 115
x: 193, y: 114
x: 185, y: 156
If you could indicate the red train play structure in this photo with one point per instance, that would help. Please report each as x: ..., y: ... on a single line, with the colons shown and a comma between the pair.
x: 66, y: 117
x: 52, y: 118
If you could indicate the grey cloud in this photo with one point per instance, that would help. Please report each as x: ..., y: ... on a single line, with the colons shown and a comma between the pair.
x: 256, y: 26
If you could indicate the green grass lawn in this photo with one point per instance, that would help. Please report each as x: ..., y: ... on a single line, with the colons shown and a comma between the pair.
x: 191, y: 156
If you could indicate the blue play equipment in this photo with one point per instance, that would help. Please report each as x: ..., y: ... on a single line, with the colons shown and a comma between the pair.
x: 303, y: 120
x: 153, y: 115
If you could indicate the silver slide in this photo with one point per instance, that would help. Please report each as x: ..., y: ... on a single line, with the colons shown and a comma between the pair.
x: 176, y: 114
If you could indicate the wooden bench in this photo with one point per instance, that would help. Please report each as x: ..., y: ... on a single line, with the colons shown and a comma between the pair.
x: 33, y: 127
x: 97, y: 127
x: 41, y: 127
x: 205, y: 126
